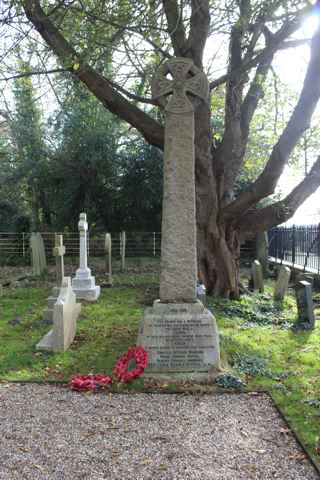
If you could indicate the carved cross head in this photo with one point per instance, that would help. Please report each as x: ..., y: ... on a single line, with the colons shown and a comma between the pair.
x: 174, y: 80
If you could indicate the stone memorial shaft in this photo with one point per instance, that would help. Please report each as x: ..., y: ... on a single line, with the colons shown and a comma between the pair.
x: 178, y: 332
x: 178, y: 246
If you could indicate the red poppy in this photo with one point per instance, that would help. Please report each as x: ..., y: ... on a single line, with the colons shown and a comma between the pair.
x: 85, y: 383
x: 121, y: 371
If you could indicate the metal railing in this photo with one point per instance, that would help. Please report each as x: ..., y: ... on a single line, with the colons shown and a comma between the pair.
x: 137, y: 244
x: 298, y: 245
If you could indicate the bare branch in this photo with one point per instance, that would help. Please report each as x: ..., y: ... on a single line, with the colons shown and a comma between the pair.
x: 96, y: 83
x: 199, y: 28
x: 175, y: 26
x: 298, y: 123
x: 265, y: 218
x: 29, y: 74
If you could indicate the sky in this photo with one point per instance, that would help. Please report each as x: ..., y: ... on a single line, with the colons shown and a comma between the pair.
x: 291, y: 65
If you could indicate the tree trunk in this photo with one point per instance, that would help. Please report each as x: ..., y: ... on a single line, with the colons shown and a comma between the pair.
x: 218, y: 244
x: 219, y: 259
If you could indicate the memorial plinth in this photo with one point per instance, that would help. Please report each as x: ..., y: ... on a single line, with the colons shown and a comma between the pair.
x: 181, y: 337
x: 178, y: 332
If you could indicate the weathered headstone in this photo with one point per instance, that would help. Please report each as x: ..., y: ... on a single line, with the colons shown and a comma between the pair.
x: 65, y: 314
x: 39, y: 262
x: 59, y: 251
x: 257, y: 276
x: 178, y: 332
x: 282, y: 283
x: 306, y: 318
x: 83, y: 284
x: 108, y: 249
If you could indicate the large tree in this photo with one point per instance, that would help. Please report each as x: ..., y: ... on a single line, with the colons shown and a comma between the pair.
x: 145, y: 33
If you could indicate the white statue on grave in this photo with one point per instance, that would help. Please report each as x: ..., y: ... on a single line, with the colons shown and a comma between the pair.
x: 83, y: 283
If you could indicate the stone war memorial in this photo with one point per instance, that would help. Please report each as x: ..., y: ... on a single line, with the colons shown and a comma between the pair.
x: 178, y: 332
x: 83, y: 284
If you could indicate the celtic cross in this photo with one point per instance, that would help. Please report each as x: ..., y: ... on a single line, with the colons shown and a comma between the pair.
x: 186, y: 78
x: 177, y: 86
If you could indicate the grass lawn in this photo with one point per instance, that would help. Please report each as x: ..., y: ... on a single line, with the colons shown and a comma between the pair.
x: 257, y: 344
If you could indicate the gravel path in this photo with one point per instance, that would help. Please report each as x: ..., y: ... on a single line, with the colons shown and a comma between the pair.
x: 49, y: 432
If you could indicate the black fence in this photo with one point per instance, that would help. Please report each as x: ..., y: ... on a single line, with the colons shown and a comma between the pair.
x: 296, y: 245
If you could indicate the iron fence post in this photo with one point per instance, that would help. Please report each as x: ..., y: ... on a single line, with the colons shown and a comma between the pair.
x: 293, y: 254
x: 318, y: 249
x: 23, y: 246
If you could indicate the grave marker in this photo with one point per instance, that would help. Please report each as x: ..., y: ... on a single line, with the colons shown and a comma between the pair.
x: 306, y: 318
x: 65, y: 314
x: 282, y: 283
x: 58, y: 252
x: 39, y: 262
x: 179, y: 333
x: 108, y: 249
x: 83, y: 283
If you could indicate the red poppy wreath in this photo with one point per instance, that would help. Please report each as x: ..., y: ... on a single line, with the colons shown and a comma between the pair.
x: 131, y: 364
x: 84, y: 383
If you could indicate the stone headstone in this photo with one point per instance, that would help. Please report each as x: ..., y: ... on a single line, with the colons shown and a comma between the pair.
x: 179, y: 333
x: 306, y: 318
x: 58, y: 252
x: 282, y: 283
x: 65, y: 314
x: 108, y: 249
x: 39, y: 262
x: 83, y: 283
x: 257, y: 276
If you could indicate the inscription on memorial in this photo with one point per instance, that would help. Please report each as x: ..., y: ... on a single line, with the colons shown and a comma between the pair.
x: 179, y: 341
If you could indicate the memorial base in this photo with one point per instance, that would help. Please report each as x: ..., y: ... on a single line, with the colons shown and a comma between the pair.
x: 181, y: 339
x: 84, y: 286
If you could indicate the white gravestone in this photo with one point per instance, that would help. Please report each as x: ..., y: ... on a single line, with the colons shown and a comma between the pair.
x: 282, y: 283
x: 83, y: 284
x: 178, y: 332
x: 108, y: 249
x: 58, y: 251
x: 65, y: 314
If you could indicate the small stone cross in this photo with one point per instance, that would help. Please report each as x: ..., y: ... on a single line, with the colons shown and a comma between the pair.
x: 59, y: 251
